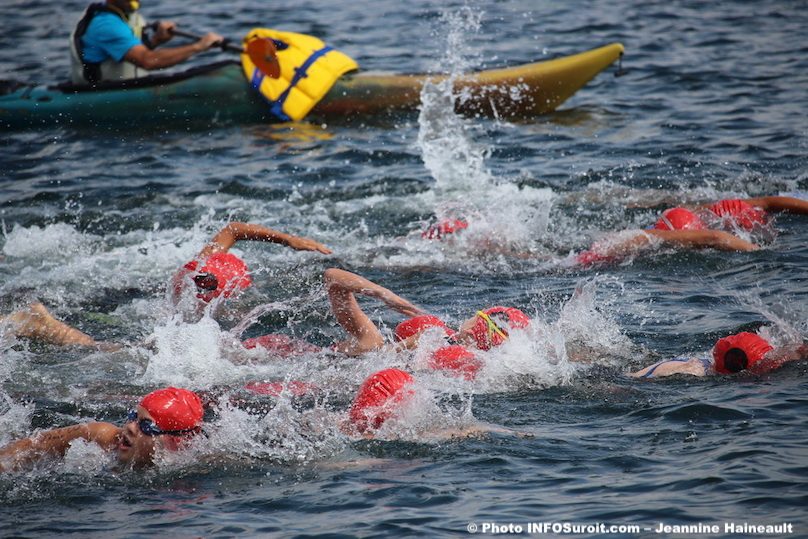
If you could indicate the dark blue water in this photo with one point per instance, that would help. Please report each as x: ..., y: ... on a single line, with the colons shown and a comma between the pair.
x: 94, y: 223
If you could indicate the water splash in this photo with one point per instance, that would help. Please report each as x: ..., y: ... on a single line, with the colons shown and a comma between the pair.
x: 444, y: 138
x: 188, y: 355
x: 499, y: 211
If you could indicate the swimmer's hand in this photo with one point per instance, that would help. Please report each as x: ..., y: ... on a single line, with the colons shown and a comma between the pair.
x: 401, y: 305
x: 477, y: 430
x: 338, y: 282
x: 306, y: 244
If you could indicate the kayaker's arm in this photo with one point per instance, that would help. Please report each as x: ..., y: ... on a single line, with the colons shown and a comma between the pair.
x: 234, y: 232
x: 149, y: 59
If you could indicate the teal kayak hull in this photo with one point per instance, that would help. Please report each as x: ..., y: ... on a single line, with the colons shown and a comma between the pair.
x: 212, y: 94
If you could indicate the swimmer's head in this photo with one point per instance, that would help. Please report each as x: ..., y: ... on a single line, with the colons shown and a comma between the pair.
x: 739, y: 352
x: 378, y: 397
x: 439, y: 230
x: 221, y: 275
x: 740, y: 212
x: 679, y: 219
x: 418, y: 324
x: 457, y: 360
x: 491, y: 327
x: 174, y: 409
x: 165, y: 418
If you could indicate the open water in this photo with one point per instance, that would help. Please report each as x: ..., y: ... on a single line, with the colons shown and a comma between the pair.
x: 94, y: 223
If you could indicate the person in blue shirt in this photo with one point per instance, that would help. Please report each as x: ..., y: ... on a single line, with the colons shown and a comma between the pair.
x: 109, y: 44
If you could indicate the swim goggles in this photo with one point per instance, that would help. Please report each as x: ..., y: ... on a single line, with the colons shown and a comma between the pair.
x: 206, y: 282
x: 150, y: 428
x: 667, y: 222
x: 491, y: 326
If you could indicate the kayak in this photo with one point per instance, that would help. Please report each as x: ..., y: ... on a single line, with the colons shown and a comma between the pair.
x: 219, y: 93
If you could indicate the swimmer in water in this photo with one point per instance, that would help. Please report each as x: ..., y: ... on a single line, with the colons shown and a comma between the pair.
x: 217, y: 272
x: 706, y: 227
x: 458, y: 356
x: 710, y: 226
x: 385, y: 394
x: 166, y: 419
x: 221, y: 273
x: 740, y: 352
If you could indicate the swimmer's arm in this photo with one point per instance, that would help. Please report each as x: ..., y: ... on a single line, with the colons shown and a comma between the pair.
x: 477, y: 430
x: 233, y: 232
x: 55, y: 443
x: 697, y: 239
x: 661, y: 369
x: 355, y: 284
x: 775, y: 359
x: 615, y: 248
x: 780, y: 203
x: 342, y: 287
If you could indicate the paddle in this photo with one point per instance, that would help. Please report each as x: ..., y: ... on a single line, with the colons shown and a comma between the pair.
x: 261, y: 51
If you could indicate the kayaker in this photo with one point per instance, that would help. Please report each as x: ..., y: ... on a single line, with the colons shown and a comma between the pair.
x: 164, y: 420
x: 736, y: 353
x: 216, y: 272
x: 109, y: 43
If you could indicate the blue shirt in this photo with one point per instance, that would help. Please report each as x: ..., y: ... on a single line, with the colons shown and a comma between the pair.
x: 107, y: 36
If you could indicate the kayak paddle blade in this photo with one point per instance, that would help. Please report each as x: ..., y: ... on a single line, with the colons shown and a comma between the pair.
x: 263, y: 54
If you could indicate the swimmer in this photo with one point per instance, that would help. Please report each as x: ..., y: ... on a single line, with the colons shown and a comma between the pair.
x: 740, y: 352
x: 383, y: 396
x: 164, y: 420
x: 222, y: 273
x: 216, y: 272
x: 707, y: 226
x: 486, y: 329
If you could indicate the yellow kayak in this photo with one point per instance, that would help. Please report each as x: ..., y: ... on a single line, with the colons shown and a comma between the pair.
x: 513, y: 92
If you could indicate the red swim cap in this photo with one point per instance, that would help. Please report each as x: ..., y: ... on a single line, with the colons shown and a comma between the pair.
x: 488, y: 335
x: 230, y: 272
x: 378, y: 394
x: 173, y: 408
x: 679, y: 219
x: 458, y: 359
x: 740, y: 212
x: 281, y: 345
x: 440, y: 229
x: 417, y: 324
x: 738, y: 352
